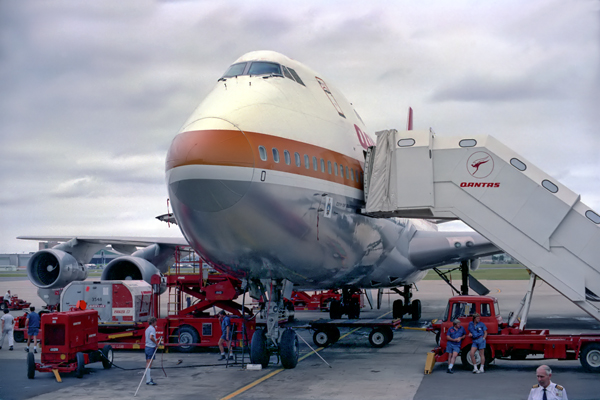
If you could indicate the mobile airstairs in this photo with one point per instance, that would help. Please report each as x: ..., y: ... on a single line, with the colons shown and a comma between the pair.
x: 498, y: 193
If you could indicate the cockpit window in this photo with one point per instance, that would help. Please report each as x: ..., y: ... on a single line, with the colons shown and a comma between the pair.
x: 264, y: 68
x: 235, y: 70
x: 296, y: 77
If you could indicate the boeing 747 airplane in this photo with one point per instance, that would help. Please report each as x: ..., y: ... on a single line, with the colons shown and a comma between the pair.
x: 266, y: 183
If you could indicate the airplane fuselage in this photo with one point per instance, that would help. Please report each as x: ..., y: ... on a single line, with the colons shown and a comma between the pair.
x: 265, y: 180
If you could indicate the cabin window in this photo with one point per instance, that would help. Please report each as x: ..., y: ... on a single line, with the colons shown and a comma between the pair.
x: 329, y: 167
x: 264, y: 68
x: 518, y: 164
x: 262, y: 152
x: 347, y: 173
x: 306, y: 161
x: 275, y: 155
x: 351, y: 174
x: 335, y: 169
x: 315, y: 163
x: 296, y: 77
x: 297, y: 158
x: 549, y: 186
x: 322, y: 165
x: 342, y: 170
x: 235, y: 70
x: 592, y: 216
x: 286, y: 156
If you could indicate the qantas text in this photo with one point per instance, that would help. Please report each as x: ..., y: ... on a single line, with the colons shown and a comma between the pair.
x: 480, y: 184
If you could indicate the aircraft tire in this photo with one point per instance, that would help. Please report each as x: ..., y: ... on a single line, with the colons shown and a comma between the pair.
x: 289, y: 349
x: 30, y: 366
x: 259, y: 353
x: 590, y: 357
x: 335, y: 309
x: 354, y: 312
x: 397, y: 309
x: 415, y: 310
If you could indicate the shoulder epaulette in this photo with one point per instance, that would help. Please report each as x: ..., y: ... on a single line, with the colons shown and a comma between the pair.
x: 559, y: 387
x: 535, y: 386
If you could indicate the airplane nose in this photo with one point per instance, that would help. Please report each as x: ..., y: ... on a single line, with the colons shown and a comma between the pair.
x: 209, y: 170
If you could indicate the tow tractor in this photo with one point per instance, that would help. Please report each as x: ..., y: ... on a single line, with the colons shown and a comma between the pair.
x: 14, y: 304
x: 510, y: 340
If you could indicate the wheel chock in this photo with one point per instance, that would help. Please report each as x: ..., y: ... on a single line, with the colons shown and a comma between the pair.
x: 429, y: 363
x: 57, y: 375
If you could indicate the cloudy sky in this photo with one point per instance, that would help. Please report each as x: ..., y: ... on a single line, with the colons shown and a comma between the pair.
x: 91, y: 93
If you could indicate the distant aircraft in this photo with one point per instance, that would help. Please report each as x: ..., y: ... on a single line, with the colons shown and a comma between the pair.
x: 266, y: 183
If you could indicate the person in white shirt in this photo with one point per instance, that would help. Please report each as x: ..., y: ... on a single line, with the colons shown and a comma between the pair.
x: 7, y: 298
x: 150, y: 348
x: 8, y: 323
x: 546, y: 389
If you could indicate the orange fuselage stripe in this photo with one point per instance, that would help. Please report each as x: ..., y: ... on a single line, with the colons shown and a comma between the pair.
x: 231, y: 148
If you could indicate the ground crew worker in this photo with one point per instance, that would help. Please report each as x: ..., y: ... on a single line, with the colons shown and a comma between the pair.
x: 150, y: 348
x: 32, y: 324
x: 226, y: 334
x: 8, y: 322
x: 478, y: 331
x: 546, y: 389
x: 455, y: 336
x: 7, y: 299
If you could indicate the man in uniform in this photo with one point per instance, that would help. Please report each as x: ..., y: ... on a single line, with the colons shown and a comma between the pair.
x: 8, y: 322
x: 226, y: 334
x: 454, y: 337
x: 32, y: 324
x: 545, y: 389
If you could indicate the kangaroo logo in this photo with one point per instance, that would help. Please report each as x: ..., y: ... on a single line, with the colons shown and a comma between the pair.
x: 480, y: 165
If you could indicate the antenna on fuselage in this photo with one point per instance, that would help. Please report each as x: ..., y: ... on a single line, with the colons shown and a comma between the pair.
x: 409, y: 123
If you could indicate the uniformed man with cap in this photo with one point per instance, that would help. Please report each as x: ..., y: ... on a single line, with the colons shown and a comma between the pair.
x: 546, y: 389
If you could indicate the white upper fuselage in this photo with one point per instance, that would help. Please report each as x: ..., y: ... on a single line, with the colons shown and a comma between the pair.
x: 265, y: 179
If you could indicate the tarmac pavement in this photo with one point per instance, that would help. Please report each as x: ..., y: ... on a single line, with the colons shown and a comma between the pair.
x: 358, y: 371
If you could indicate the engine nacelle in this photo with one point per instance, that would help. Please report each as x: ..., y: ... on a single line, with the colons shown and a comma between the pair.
x: 51, y: 269
x: 131, y: 268
x: 475, y: 264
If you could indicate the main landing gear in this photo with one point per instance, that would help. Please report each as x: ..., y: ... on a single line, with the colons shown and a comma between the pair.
x: 350, y: 305
x: 400, y: 308
x: 274, y: 340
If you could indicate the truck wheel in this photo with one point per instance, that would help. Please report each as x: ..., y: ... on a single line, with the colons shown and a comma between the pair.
x: 187, y: 336
x: 378, y: 337
x: 80, y: 365
x: 19, y: 336
x: 389, y: 334
x: 438, y: 334
x: 107, y: 359
x: 335, y: 309
x: 259, y: 353
x: 289, y: 349
x: 30, y: 366
x: 321, y: 338
x: 590, y: 357
x: 398, y: 309
x: 3, y: 306
x: 334, y: 334
x: 466, y: 360
x: 415, y: 310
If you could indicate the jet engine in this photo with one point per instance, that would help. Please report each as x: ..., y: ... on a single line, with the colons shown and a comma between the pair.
x: 52, y: 268
x: 474, y: 265
x: 131, y: 268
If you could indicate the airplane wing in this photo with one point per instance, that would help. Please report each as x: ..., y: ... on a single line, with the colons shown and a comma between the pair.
x: 429, y: 249
x: 124, y: 242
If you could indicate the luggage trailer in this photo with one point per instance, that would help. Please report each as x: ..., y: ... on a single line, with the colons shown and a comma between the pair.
x: 327, y: 332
